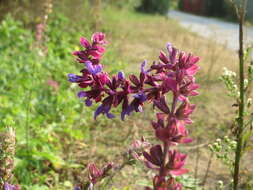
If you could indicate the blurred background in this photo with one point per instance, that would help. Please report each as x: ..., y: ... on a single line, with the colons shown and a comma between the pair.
x: 56, y: 133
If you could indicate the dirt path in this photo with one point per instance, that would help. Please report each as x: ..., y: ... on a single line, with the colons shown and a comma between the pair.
x: 222, y: 32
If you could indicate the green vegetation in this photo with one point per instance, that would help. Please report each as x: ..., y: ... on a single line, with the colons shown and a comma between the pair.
x: 38, y: 101
x: 154, y: 6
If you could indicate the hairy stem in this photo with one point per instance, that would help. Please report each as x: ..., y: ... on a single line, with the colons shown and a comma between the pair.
x: 241, y: 105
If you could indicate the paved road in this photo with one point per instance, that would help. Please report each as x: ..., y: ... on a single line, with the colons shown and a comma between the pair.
x: 221, y: 31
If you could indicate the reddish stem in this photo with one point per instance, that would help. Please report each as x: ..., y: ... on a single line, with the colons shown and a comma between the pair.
x: 162, y: 172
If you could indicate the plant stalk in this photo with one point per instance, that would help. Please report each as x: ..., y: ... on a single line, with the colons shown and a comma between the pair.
x: 241, y: 104
x: 166, y: 144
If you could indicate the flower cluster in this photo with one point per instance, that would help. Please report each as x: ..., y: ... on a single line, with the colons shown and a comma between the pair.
x: 173, y: 73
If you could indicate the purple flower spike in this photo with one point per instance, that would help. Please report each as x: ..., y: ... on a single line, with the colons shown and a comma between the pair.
x: 174, y: 73
x: 121, y: 75
x: 73, y: 78
x: 93, y: 69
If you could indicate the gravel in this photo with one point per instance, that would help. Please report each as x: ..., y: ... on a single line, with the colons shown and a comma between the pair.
x: 222, y: 32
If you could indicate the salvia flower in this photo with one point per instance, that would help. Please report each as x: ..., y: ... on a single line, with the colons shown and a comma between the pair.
x: 93, y: 51
x: 95, y: 174
x: 11, y: 187
x: 173, y: 73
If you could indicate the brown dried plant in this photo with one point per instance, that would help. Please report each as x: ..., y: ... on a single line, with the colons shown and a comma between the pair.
x: 7, y: 152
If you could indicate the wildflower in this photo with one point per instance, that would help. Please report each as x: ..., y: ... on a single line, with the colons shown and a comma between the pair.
x: 93, y: 51
x: 173, y: 73
x: 95, y: 174
x: 11, y: 187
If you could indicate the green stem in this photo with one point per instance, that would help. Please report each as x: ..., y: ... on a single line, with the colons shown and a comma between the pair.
x: 238, y: 152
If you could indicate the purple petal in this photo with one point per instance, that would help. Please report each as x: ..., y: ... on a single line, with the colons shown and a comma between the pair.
x: 121, y: 75
x: 88, y: 102
x: 73, y: 78
x: 7, y: 186
x: 143, y: 66
x: 77, y: 188
x: 81, y: 94
x: 181, y: 98
x: 98, y: 111
x: 103, y: 109
x: 173, y: 55
x: 110, y: 115
x: 141, y: 96
x: 84, y: 42
x: 169, y: 46
x: 93, y: 69
x: 171, y: 84
x: 89, y: 66
x: 98, y: 69
x: 11, y: 187
x: 123, y: 114
x: 90, y: 186
x: 163, y: 57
